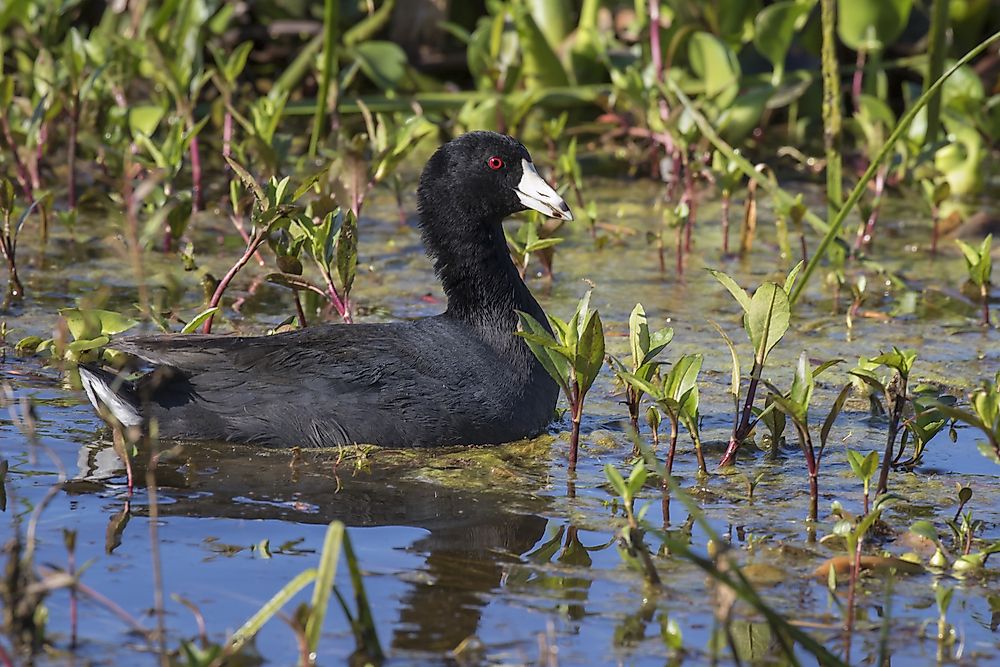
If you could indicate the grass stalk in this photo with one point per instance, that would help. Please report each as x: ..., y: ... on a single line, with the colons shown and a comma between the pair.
x: 328, y: 72
x: 831, y: 107
x: 936, y: 53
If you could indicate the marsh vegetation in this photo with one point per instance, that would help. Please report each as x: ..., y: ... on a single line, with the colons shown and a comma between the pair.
x: 771, y: 323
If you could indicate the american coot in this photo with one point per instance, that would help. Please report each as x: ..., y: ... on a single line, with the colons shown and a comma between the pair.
x: 461, y: 377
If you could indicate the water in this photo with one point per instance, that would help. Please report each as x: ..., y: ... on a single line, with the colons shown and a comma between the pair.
x: 484, y: 550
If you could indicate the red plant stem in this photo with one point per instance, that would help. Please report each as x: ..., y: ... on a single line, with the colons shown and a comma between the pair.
x: 680, y: 250
x: 22, y: 172
x: 154, y: 541
x: 105, y: 602
x: 673, y: 446
x: 858, y: 80
x: 197, y: 202
x: 5, y: 658
x: 238, y: 224
x: 300, y: 313
x: 576, y: 406
x: 227, y: 135
x: 255, y: 243
x: 864, y: 237
x: 74, y: 120
x: 726, y: 196
x: 689, y: 199
x: 890, y: 442
x: 743, y: 428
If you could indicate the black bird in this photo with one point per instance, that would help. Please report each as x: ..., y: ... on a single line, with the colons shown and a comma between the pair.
x: 461, y: 377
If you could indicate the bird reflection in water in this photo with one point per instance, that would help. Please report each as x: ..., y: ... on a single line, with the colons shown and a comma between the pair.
x: 475, y: 532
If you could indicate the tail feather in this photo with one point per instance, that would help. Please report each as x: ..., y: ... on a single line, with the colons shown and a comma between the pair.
x: 112, y: 393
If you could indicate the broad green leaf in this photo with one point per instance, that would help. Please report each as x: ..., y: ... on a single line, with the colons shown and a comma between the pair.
x: 862, y: 24
x: 616, y: 480
x: 793, y: 274
x: 539, y: 341
x: 347, y: 251
x: 802, y: 385
x: 767, y: 319
x: 250, y: 182
x: 831, y: 417
x: 716, y: 66
x: 541, y: 66
x: 738, y: 292
x: 590, y: 357
x: 926, y: 530
x: 774, y: 28
x: 94, y: 322
x: 143, y: 119
x: 384, y: 63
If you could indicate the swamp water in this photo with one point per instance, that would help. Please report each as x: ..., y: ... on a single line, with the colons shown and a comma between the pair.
x: 483, y: 548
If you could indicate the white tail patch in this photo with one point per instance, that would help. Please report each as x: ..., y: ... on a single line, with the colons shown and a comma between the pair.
x: 101, y: 394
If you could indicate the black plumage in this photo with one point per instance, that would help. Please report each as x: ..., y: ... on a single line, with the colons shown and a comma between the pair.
x: 461, y: 377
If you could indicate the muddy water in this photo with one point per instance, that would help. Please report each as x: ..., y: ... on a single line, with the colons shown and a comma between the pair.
x: 484, y: 549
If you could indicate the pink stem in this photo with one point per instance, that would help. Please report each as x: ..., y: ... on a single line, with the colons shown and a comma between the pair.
x: 224, y: 283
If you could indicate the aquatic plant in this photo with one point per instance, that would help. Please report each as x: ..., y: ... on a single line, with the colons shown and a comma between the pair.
x: 895, y: 396
x: 572, y: 353
x: 796, y: 405
x: 676, y: 395
x: 979, y: 264
x: 632, y: 545
x: 644, y: 345
x: 765, y: 319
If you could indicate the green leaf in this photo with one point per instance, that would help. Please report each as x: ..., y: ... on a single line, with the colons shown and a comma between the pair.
x: 253, y: 625
x: 590, y: 357
x: 616, y: 480
x: 638, y: 335
x: 802, y: 385
x: 87, y: 324
x: 199, y: 319
x: 540, y: 341
x: 325, y: 576
x: 384, y: 63
x: 774, y: 29
x: 738, y: 292
x: 766, y: 321
x: 793, y: 274
x: 862, y: 24
x: 734, y: 386
x: 926, y: 530
x: 143, y: 119
x: 716, y: 65
x: 831, y: 417
x: 347, y: 251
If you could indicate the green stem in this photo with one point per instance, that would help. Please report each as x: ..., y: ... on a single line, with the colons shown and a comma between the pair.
x: 831, y: 108
x: 935, y: 55
x: 331, y: 18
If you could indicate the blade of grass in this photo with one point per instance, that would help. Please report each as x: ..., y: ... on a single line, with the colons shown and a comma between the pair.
x: 328, y: 73
x: 325, y: 575
x: 861, y: 185
x: 270, y: 608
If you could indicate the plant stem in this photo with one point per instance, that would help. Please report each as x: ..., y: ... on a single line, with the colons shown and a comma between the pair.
x: 689, y: 198
x: 984, y: 293
x: 726, y: 196
x: 255, y: 243
x: 576, y: 406
x: 851, y: 593
x: 328, y: 73
x: 898, y: 402
x: 74, y: 120
x: 197, y: 201
x: 936, y: 53
x: 831, y: 109
x: 743, y: 428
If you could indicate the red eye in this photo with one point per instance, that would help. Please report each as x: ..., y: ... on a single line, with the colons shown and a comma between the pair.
x: 495, y: 163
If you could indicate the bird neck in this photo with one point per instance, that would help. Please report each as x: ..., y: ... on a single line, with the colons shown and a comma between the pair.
x: 480, y: 281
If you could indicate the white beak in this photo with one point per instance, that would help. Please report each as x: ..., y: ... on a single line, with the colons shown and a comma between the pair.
x: 536, y: 194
